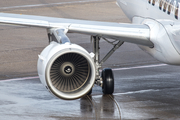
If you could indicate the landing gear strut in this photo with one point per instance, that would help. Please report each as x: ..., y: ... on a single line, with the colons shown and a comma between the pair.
x: 106, y: 80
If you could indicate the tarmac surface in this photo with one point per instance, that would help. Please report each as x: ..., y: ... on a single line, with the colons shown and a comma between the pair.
x: 145, y: 89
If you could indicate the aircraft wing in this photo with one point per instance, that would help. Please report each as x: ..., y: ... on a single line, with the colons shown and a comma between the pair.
x: 138, y: 34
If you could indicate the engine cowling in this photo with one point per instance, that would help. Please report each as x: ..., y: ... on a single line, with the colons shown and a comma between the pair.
x: 67, y: 70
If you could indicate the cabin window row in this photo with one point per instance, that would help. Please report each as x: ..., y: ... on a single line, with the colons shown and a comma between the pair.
x: 171, y: 6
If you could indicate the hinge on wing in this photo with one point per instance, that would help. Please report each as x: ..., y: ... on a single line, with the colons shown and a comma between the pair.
x: 58, y: 35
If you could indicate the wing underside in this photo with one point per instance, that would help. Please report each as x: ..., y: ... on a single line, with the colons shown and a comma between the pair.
x: 137, y: 34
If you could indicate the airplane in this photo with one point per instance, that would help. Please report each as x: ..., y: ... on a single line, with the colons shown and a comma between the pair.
x: 69, y: 72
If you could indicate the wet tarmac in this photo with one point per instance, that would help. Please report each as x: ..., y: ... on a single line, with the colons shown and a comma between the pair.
x: 141, y: 93
x: 145, y: 89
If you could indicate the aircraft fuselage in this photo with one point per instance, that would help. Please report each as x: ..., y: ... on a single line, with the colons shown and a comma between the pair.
x: 156, y: 9
x: 162, y: 17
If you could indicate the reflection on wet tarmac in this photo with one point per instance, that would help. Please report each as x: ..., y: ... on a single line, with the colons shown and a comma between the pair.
x: 106, y: 106
x: 86, y: 107
x: 99, y: 107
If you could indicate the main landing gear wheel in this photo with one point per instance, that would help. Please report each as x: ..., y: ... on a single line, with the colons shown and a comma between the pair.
x: 108, y: 81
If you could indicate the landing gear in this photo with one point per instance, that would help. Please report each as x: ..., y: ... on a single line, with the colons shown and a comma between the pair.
x: 108, y: 81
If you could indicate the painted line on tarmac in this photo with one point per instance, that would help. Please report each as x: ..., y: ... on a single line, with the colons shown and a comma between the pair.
x: 40, y: 5
x: 139, y: 67
x: 18, y: 79
x: 131, y: 92
x: 115, y: 69
x: 137, y: 92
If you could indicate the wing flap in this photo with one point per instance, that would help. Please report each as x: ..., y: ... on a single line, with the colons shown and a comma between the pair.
x: 138, y: 34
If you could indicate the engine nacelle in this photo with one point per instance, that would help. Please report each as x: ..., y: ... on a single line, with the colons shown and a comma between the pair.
x: 67, y: 70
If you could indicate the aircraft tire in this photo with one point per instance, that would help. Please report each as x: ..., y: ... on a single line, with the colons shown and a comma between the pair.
x: 108, y: 81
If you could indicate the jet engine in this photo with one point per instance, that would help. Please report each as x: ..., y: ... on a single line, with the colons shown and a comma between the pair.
x: 67, y: 70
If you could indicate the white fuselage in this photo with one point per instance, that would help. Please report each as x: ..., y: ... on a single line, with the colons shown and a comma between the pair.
x: 162, y: 17
x: 150, y: 9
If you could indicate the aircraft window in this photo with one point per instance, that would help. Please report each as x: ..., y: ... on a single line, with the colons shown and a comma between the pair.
x: 171, y: 6
x: 149, y: 1
x: 153, y: 3
x: 176, y: 11
x: 165, y: 5
x: 161, y: 2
